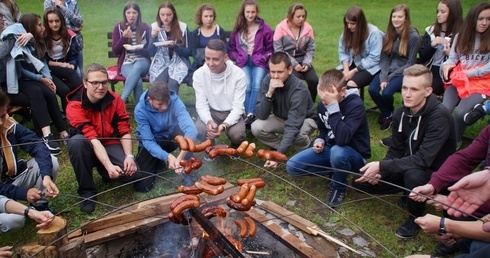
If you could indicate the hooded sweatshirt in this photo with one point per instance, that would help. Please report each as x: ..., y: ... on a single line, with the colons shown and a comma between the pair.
x: 345, y: 124
x: 154, y: 126
x: 300, y: 50
x: 292, y: 103
x: 220, y: 92
x: 420, y: 141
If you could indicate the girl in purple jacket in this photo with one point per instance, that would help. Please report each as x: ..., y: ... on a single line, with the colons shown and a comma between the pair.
x: 130, y: 39
x: 250, y: 46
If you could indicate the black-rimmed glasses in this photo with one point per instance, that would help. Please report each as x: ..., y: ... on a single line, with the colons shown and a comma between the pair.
x: 97, y: 84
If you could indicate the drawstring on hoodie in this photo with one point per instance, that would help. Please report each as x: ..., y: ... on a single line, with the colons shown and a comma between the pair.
x: 415, y: 133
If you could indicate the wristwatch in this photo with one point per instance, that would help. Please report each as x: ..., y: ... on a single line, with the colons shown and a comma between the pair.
x: 442, y: 227
x: 26, y: 211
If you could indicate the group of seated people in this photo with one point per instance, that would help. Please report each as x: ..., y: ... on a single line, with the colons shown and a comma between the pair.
x: 261, y: 88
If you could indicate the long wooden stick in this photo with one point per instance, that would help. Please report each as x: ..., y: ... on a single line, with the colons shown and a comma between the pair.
x: 301, y: 223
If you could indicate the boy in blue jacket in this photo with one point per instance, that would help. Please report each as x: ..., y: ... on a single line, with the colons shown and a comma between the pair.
x: 160, y: 115
x: 343, y: 142
x: 31, y: 181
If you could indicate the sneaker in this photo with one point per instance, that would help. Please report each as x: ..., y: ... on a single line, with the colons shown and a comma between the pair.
x: 336, y: 198
x: 249, y: 120
x: 387, y: 121
x: 208, y: 159
x: 386, y: 141
x: 474, y: 115
x: 53, y: 146
x: 446, y: 250
x: 408, y: 230
x: 87, y: 205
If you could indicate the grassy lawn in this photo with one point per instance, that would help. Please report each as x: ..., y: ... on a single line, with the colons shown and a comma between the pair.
x: 373, y: 219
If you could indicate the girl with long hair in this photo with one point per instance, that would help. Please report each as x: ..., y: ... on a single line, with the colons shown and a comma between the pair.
x: 294, y: 36
x: 170, y: 47
x: 62, y: 50
x: 250, y: 46
x: 437, y: 39
x: 400, y: 46
x: 35, y: 77
x: 206, y: 30
x: 10, y: 11
x: 468, y: 66
x: 359, y: 49
x: 130, y: 41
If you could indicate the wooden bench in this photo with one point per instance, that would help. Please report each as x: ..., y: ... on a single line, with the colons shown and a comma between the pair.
x: 112, y: 73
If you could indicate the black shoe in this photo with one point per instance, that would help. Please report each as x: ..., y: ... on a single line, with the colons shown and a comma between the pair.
x: 408, y: 230
x: 380, y: 118
x: 474, y: 115
x: 387, y: 121
x: 42, y: 207
x: 54, y: 147
x: 87, y: 205
x: 336, y: 198
x: 386, y: 141
x: 445, y: 250
x: 249, y: 120
x: 402, y: 202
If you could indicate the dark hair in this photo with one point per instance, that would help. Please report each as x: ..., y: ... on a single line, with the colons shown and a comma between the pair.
x: 93, y: 68
x: 454, y: 19
x: 355, y: 40
x: 4, y: 99
x: 391, y: 34
x: 465, y: 43
x: 63, y: 31
x: 158, y: 90
x: 200, y: 10
x: 175, y: 26
x: 241, y: 23
x: 13, y: 8
x: 279, y: 57
x: 417, y: 70
x: 29, y: 21
x: 217, y: 45
x: 293, y: 8
x: 138, y: 27
x: 332, y: 76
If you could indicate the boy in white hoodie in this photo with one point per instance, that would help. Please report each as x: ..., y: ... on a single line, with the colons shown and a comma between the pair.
x: 220, y: 92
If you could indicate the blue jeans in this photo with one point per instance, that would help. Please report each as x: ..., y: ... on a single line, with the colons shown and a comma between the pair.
x: 255, y: 75
x: 133, y: 73
x: 384, y: 101
x: 336, y: 157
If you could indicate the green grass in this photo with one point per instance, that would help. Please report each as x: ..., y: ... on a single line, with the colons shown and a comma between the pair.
x: 373, y: 216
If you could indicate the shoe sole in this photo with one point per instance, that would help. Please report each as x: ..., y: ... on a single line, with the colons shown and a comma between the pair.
x: 404, y: 237
x: 388, y: 128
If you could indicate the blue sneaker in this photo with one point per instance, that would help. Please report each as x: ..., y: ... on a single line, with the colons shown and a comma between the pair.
x: 336, y: 198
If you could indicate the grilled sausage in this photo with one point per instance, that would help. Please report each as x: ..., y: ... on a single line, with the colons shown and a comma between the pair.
x: 250, y: 196
x: 214, y: 211
x: 242, y: 148
x: 191, y: 144
x: 183, y: 198
x: 242, y: 193
x: 209, y: 189
x: 182, y: 142
x: 252, y: 228
x: 249, y: 152
x: 239, y: 206
x: 219, y: 146
x: 212, y: 180
x: 189, y: 189
x: 242, y: 225
x: 248, y: 180
x: 271, y: 155
x: 177, y: 211
x: 203, y: 145
x: 195, y: 163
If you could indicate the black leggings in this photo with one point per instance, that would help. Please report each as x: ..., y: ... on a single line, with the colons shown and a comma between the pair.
x: 311, y: 79
x: 65, y: 80
x: 43, y: 103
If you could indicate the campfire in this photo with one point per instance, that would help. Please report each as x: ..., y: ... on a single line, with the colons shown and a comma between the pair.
x: 144, y: 230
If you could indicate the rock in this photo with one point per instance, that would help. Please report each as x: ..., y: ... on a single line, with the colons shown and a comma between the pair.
x: 291, y: 203
x: 360, y: 241
x: 368, y: 253
x: 347, y: 232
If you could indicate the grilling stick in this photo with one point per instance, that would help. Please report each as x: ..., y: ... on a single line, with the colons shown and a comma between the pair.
x: 301, y: 223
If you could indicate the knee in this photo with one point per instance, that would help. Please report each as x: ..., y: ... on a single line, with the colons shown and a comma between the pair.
x: 78, y: 142
x: 56, y: 167
x: 237, y: 135
x: 414, y: 178
x: 257, y: 127
x: 337, y: 154
x: 11, y: 222
x: 293, y: 167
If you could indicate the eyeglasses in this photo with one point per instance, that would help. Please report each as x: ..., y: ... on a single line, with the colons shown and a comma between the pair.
x: 2, y: 16
x: 97, y: 84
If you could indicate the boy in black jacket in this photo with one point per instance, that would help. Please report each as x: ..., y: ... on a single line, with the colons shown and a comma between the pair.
x: 423, y: 137
x: 343, y: 142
